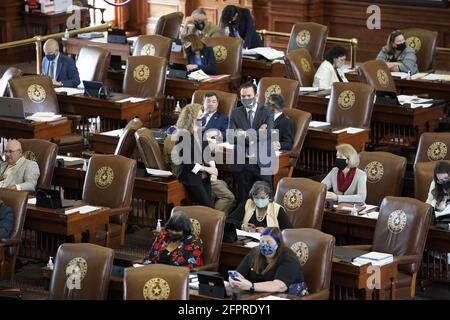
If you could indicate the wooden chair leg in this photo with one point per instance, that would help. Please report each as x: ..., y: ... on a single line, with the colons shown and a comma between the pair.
x: 412, y: 292
x: 122, y: 233
x: 13, y: 267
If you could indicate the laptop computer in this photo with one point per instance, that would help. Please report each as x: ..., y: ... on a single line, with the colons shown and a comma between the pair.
x: 212, y: 284
x: 387, y: 98
x: 92, y: 88
x: 177, y: 70
x: 12, y: 108
x: 116, y: 63
x: 49, y: 198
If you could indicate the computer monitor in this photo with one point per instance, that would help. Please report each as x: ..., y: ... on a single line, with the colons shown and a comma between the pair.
x: 12, y: 108
x: 50, y: 198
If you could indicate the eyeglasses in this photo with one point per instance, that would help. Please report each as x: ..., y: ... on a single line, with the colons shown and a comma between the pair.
x: 261, y: 198
x: 11, y: 151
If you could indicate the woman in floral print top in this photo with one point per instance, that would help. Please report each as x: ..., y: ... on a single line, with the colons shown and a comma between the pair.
x: 177, y: 245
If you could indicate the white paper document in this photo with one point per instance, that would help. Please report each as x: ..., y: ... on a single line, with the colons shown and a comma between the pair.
x: 69, y: 91
x: 254, y: 235
x: 138, y: 265
x: 83, y: 209
x: 433, y: 77
x: 32, y: 201
x: 317, y: 124
x: 44, y: 117
x: 160, y: 173
x: 113, y: 133
x: 349, y: 130
x: 198, y: 75
x: 419, y: 75
x: 251, y: 244
x: 401, y: 75
x: 272, y: 298
x: 309, y: 89
x: 266, y: 52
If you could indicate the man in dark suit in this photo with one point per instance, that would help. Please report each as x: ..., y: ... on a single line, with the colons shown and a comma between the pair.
x: 6, y: 220
x: 254, y: 122
x: 282, y: 123
x: 59, y: 67
x: 212, y: 118
x: 240, y: 24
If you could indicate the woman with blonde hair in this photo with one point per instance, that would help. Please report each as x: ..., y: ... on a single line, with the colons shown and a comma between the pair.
x: 198, y: 55
x: 345, y: 179
x: 194, y: 164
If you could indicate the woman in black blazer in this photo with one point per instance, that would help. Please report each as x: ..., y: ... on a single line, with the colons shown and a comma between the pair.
x: 195, y: 165
x: 198, y: 55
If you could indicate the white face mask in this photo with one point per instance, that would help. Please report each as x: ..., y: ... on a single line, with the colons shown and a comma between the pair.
x: 261, y: 203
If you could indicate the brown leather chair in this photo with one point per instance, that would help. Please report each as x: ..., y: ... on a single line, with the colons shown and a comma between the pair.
x: 228, y: 52
x: 433, y: 146
x: 208, y: 224
x: 169, y: 25
x: 173, y: 281
x: 81, y: 272
x: 288, y: 88
x: 300, y: 67
x: 423, y: 176
x: 425, y: 43
x: 310, y: 36
x: 44, y: 153
x: 149, y: 149
x: 377, y: 74
x: 227, y: 100
x: 145, y: 76
x: 385, y: 172
x: 127, y: 142
x: 17, y: 201
x: 10, y: 73
x: 39, y: 95
x: 350, y: 105
x: 153, y: 45
x: 401, y: 230
x: 109, y: 183
x: 93, y: 63
x: 315, y: 251
x: 303, y: 200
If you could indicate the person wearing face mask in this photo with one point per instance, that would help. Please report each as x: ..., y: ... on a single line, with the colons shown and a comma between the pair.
x: 198, y: 55
x: 330, y: 71
x: 59, y: 67
x: 398, y: 55
x: 347, y: 182
x: 259, y: 211
x: 282, y: 123
x: 237, y: 22
x: 199, y: 25
x: 271, y: 267
x: 195, y: 167
x: 252, y: 123
x: 439, y: 191
x: 176, y: 244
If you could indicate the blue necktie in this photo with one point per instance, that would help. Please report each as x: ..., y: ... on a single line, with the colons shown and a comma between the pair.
x: 250, y: 118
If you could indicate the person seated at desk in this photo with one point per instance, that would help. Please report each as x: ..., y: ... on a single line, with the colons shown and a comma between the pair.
x: 271, y: 267
x: 195, y: 168
x: 6, y: 220
x: 330, y: 71
x: 198, y: 55
x: 439, y: 192
x: 259, y: 211
x: 199, y: 25
x: 398, y: 55
x: 281, y: 123
x: 16, y: 172
x: 345, y: 179
x: 238, y: 23
x: 59, y: 67
x: 176, y: 244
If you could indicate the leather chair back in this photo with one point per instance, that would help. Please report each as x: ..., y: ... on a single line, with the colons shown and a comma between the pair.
x: 402, y: 229
x: 310, y: 36
x: 228, y: 52
x: 300, y: 67
x: 425, y: 43
x: 10, y: 73
x: 385, y: 172
x: 288, y: 88
x: 423, y: 176
x: 315, y: 251
x: 433, y: 146
x: 17, y: 201
x: 44, y: 153
x: 350, y: 105
x: 377, y: 74
x: 169, y: 25
x: 139, y: 282
x: 153, y: 45
x: 127, y: 142
x: 300, y: 120
x: 209, y: 224
x: 109, y: 182
x: 303, y: 201
x: 227, y: 100
x: 145, y: 76
x: 93, y: 63
x: 149, y: 149
x: 91, y: 262
x: 37, y: 93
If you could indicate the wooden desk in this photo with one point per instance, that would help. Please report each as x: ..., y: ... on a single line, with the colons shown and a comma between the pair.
x: 42, y: 24
x: 74, y: 45
x: 391, y: 125
x: 183, y: 88
x: 17, y: 128
x: 261, y: 68
x: 112, y: 113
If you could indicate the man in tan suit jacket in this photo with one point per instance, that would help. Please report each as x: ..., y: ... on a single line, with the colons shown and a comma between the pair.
x: 199, y: 25
x: 16, y: 172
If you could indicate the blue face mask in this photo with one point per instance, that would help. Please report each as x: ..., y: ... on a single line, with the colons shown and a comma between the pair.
x: 261, y: 203
x: 267, y: 249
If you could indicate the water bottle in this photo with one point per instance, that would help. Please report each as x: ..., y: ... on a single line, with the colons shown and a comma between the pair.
x: 354, y: 210
x: 66, y: 35
x: 158, y: 226
x: 408, y: 77
x: 178, y: 107
x: 50, y: 264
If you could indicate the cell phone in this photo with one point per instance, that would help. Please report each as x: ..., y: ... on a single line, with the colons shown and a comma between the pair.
x: 233, y: 275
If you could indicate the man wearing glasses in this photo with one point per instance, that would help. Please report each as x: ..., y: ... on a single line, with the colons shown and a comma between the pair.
x: 16, y: 172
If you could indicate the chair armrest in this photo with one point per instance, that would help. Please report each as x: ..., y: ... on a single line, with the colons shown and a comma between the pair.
x: 407, y: 259
x: 207, y: 267
x: 321, y: 295
x: 366, y: 247
x: 119, y: 211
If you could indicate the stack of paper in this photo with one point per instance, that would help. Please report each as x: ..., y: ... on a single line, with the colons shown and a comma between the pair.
x: 415, y: 101
x: 82, y: 210
x: 44, y: 117
x: 272, y: 298
x: 71, y: 161
x: 32, y: 201
x: 251, y: 244
x: 309, y: 89
x: 254, y: 235
x: 375, y: 258
x: 159, y: 173
x: 349, y: 130
x: 401, y: 75
x: 69, y: 91
x: 434, y: 77
x: 266, y: 52
x: 193, y: 281
x: 317, y: 124
x: 198, y: 75
x: 131, y: 99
